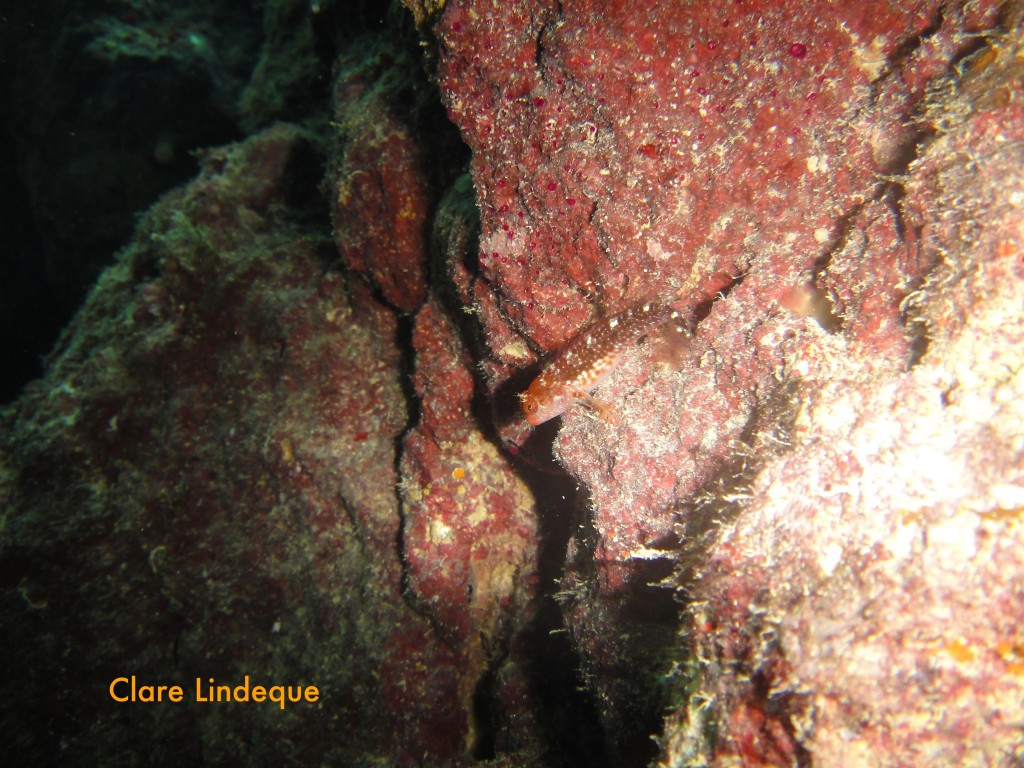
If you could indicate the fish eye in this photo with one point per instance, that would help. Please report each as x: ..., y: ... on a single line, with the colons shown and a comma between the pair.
x: 530, y: 406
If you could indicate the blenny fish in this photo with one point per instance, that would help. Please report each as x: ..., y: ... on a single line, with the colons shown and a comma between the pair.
x: 588, y: 360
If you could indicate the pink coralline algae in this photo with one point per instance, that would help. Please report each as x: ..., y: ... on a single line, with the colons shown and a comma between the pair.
x: 774, y: 145
x: 469, y: 525
x: 379, y: 187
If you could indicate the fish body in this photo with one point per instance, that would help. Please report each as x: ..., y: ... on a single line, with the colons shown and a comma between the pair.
x: 588, y: 360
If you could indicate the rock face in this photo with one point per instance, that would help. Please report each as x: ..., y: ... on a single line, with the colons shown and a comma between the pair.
x: 186, y: 504
x: 821, y: 160
x: 871, y: 574
x: 267, y: 449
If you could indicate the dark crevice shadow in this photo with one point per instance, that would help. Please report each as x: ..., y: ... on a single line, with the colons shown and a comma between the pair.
x: 564, y: 705
x: 567, y: 706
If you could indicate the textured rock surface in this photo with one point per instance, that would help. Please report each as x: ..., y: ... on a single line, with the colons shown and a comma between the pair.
x: 749, y: 141
x: 380, y: 185
x: 264, y: 448
x: 204, y: 485
x: 469, y: 524
x: 870, y: 586
x: 219, y: 446
x: 629, y: 153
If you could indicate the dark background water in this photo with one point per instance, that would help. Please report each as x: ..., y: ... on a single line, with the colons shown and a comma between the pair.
x: 102, y: 107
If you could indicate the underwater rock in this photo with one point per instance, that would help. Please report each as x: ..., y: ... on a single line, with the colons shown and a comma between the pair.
x: 861, y: 604
x: 266, y: 449
x: 469, y: 524
x: 629, y: 154
x: 379, y: 188
x: 203, y: 486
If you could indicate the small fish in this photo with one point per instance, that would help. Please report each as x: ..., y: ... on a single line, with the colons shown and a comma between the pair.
x: 588, y: 360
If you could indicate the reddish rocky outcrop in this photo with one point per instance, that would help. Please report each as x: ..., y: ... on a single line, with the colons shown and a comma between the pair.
x: 627, y: 154
x: 268, y: 448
